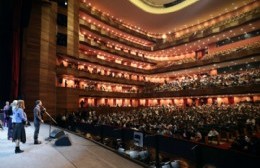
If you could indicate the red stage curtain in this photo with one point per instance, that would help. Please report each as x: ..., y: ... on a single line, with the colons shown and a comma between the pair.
x: 16, y: 48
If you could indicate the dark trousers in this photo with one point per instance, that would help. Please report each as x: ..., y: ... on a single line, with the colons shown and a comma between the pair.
x: 10, y: 128
x: 36, y: 131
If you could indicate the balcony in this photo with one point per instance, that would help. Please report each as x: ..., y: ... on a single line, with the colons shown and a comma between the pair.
x: 96, y: 77
x: 218, y: 58
x: 213, y: 91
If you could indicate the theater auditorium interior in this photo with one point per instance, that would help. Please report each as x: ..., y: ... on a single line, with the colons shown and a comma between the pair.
x: 141, y: 83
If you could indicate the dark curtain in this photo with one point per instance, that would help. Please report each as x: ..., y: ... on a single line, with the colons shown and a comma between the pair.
x: 14, y: 16
x: 6, y: 8
x: 17, y: 13
x: 15, y: 64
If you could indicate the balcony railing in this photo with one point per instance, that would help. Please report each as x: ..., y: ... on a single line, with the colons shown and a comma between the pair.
x: 210, y: 91
x: 96, y: 77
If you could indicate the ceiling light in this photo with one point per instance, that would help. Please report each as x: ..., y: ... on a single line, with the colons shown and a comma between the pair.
x: 162, y: 10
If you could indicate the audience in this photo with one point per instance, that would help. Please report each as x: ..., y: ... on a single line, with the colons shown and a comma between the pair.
x: 201, y: 81
x: 190, y: 123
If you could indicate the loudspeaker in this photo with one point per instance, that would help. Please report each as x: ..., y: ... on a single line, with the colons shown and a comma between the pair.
x: 56, y: 133
x: 63, y: 141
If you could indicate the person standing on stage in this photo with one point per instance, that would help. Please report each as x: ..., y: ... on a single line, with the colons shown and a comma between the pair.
x: 18, y: 126
x: 6, y: 116
x: 10, y: 121
x: 38, y: 112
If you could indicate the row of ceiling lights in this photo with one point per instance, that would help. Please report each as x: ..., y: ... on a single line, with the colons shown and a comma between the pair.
x: 113, y: 58
x: 187, y: 50
x: 118, y: 34
x: 116, y: 45
x: 109, y: 70
x: 96, y: 82
x: 163, y: 35
x: 201, y: 44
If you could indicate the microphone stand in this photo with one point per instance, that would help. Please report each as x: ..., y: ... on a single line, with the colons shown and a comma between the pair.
x: 50, y: 138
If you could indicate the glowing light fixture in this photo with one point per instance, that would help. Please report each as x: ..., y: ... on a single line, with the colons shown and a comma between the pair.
x: 145, y: 7
x: 164, y: 36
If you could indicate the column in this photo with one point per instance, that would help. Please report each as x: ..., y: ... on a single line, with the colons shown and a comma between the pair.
x: 38, y: 73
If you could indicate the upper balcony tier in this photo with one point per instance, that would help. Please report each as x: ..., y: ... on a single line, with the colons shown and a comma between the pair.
x: 218, y: 57
x: 240, y: 16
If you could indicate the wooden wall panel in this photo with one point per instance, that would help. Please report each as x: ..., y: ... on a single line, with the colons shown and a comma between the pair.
x: 39, y: 58
x: 48, y: 57
x: 73, y: 28
x: 30, y: 60
x: 67, y: 100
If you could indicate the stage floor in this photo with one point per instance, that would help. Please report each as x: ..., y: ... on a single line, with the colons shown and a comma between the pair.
x: 82, y: 154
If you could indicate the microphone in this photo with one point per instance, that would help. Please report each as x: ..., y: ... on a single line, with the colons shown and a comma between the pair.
x: 43, y: 109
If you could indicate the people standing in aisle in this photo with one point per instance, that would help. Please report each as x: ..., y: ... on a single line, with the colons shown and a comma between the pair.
x: 18, y: 125
x: 38, y: 112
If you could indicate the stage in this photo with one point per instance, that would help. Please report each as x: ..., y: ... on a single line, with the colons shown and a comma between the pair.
x: 81, y: 154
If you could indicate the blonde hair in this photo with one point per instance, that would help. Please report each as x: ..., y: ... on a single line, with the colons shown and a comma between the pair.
x: 14, y: 103
x: 20, y: 104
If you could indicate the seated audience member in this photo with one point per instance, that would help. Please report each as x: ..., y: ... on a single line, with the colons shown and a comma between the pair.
x: 197, y: 136
x: 213, y: 134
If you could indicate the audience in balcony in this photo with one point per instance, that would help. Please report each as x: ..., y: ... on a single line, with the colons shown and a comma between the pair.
x: 212, y: 55
x: 223, y: 53
x: 202, y: 81
x: 124, y: 76
x: 98, y: 71
x: 187, y: 82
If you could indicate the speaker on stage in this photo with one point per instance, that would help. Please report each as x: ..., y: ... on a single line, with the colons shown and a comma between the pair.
x: 56, y: 133
x: 63, y: 141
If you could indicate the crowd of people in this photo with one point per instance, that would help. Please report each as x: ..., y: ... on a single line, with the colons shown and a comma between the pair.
x: 224, y: 53
x: 15, y: 119
x: 97, y: 71
x: 200, y: 81
x: 189, y: 82
x: 190, y: 123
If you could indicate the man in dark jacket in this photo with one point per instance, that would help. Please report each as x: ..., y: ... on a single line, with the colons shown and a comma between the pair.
x: 38, y: 112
